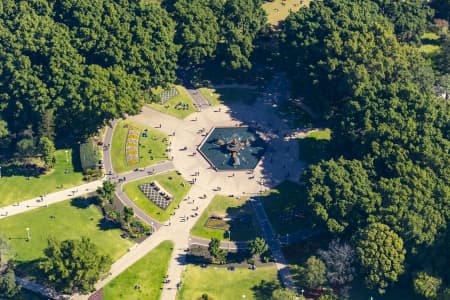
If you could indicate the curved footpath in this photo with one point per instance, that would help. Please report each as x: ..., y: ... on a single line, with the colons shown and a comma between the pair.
x: 189, y: 133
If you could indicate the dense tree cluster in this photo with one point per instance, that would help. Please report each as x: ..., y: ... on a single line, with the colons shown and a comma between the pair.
x: 66, y: 63
x: 391, y: 135
x: 219, y: 31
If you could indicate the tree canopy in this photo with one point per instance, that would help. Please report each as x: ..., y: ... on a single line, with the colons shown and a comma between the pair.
x: 74, y: 264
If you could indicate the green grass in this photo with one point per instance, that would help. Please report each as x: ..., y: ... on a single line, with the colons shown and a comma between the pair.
x: 280, y: 201
x: 172, y: 186
x: 169, y: 106
x: 18, y: 188
x: 277, y: 12
x: 230, y: 95
x: 72, y: 220
x: 315, y: 146
x: 157, y: 147
x: 223, y: 205
x: 148, y: 273
x: 430, y: 43
x: 221, y: 284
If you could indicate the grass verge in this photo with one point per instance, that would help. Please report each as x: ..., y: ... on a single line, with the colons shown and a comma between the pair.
x: 148, y: 273
x: 221, y: 284
x: 232, y: 208
x: 169, y: 107
x: 315, y: 146
x: 171, y: 182
x: 151, y: 149
x: 16, y: 188
x: 70, y: 219
x: 286, y: 207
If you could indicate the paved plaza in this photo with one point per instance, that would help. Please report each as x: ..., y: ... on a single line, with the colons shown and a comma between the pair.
x: 280, y: 162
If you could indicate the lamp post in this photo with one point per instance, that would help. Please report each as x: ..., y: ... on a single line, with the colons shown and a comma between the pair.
x: 28, y: 234
x: 0, y: 172
x: 229, y: 239
x: 67, y: 156
x: 302, y: 293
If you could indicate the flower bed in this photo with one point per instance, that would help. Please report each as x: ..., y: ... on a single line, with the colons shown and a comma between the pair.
x: 132, y: 145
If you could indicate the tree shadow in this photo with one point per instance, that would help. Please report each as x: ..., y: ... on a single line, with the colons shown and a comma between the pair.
x: 21, y: 169
x: 76, y: 160
x: 264, y: 290
x: 104, y: 224
x: 82, y: 203
x: 313, y: 150
x: 31, y: 269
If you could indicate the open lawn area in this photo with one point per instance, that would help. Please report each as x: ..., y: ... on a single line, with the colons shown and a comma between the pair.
x: 230, y: 95
x: 430, y: 43
x: 152, y: 143
x: 227, y: 207
x: 277, y: 12
x: 170, y: 107
x: 148, y: 273
x: 286, y: 207
x: 222, y: 284
x: 315, y: 146
x: 15, y: 188
x: 70, y: 219
x: 171, y: 182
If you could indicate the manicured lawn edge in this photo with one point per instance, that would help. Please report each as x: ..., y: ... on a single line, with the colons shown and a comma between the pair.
x: 147, y: 273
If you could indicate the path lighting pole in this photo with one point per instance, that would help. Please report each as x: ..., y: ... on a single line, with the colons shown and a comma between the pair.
x: 302, y: 293
x: 28, y: 234
x: 0, y: 172
x: 287, y: 238
x: 229, y: 239
x: 67, y: 155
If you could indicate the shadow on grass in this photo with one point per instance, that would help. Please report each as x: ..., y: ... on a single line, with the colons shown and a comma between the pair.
x: 265, y: 289
x: 106, y: 225
x: 313, y: 150
x: 82, y: 203
x: 199, y: 255
x: 31, y: 270
x: 17, y: 169
x: 76, y: 161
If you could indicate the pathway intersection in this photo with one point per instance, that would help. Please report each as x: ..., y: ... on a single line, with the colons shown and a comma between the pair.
x: 280, y: 163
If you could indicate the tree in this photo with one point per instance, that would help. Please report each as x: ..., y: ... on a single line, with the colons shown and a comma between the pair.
x: 283, y: 294
x: 5, y: 252
x: 339, y: 260
x: 240, y: 23
x: 4, y: 134
x: 426, y: 285
x: 74, y: 264
x: 381, y: 255
x: 219, y: 255
x: 8, y: 286
x: 341, y: 195
x: 315, y: 272
x: 106, y: 192
x: 410, y: 18
x: 258, y: 246
x: 197, y: 30
x: 128, y: 214
x: 47, y: 150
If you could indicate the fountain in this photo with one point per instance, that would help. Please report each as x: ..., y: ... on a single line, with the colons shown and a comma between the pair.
x: 233, y: 148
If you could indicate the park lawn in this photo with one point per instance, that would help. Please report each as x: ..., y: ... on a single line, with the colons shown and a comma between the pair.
x: 148, y: 273
x: 157, y: 146
x: 230, y: 95
x: 172, y: 186
x: 169, y: 106
x: 277, y: 12
x: 221, y: 284
x: 223, y: 205
x: 18, y: 188
x: 430, y: 43
x: 281, y: 200
x: 72, y: 219
x: 315, y: 146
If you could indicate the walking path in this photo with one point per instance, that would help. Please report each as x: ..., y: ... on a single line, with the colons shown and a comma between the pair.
x: 230, y: 245
x: 274, y: 245
x: 279, y: 163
